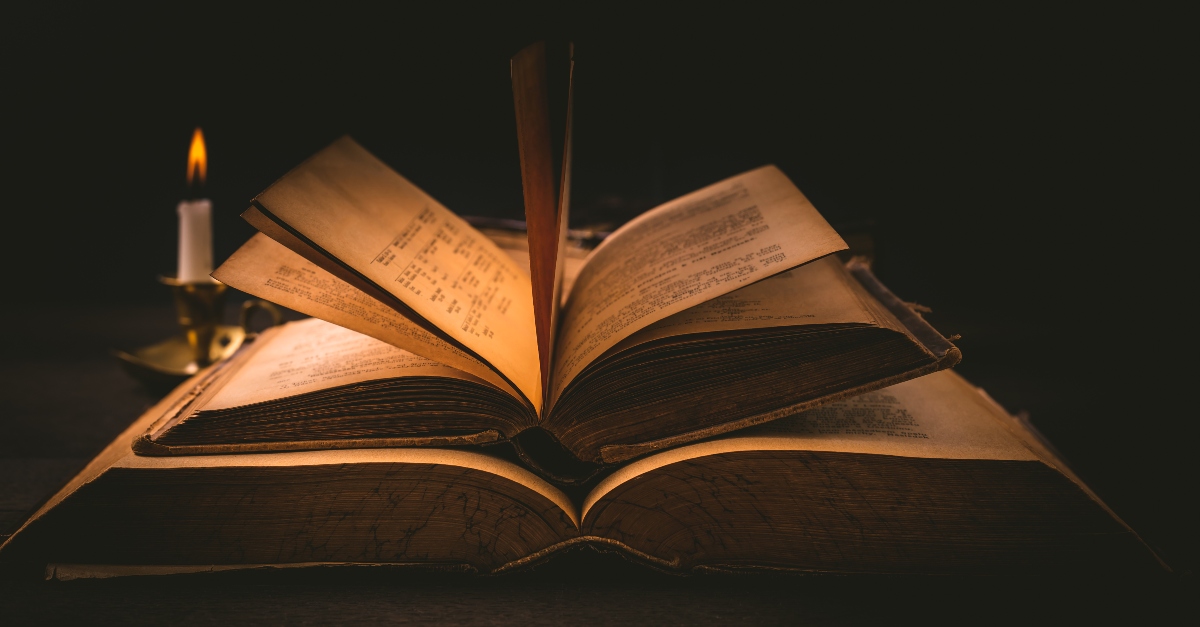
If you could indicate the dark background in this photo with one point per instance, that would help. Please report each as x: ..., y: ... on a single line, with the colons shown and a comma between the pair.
x: 1027, y: 174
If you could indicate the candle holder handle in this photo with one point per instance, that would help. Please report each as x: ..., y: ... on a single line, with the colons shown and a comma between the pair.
x: 251, y: 306
x: 199, y: 308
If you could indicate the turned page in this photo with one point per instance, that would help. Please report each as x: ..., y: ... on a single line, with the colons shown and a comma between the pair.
x: 312, y: 355
x: 688, y: 251
x: 269, y: 270
x: 817, y: 293
x: 381, y: 227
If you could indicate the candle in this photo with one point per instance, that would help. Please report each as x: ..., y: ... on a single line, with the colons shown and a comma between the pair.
x: 195, y: 221
x: 195, y: 241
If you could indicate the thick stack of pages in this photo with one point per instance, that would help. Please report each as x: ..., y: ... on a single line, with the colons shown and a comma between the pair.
x: 927, y: 476
x: 709, y: 388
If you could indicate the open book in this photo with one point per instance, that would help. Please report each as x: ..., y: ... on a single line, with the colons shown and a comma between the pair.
x: 715, y: 311
x: 927, y: 476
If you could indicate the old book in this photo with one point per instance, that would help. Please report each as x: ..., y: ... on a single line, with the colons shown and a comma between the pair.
x: 926, y: 476
x: 715, y: 311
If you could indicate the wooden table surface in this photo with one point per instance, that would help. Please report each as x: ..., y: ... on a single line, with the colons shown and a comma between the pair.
x: 63, y: 397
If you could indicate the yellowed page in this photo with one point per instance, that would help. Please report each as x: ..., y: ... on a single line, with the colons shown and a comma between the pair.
x: 936, y: 416
x: 382, y: 227
x: 268, y: 269
x: 817, y: 293
x: 312, y: 355
x: 688, y: 251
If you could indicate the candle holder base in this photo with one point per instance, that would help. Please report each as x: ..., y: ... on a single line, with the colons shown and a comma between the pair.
x: 168, y: 363
x: 203, y: 340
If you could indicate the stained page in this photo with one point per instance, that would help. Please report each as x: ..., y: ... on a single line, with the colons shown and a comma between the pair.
x: 939, y: 416
x: 269, y: 270
x: 363, y: 214
x: 312, y: 355
x: 936, y: 416
x: 688, y: 251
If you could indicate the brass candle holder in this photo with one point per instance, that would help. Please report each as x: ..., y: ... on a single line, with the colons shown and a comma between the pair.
x: 204, y: 340
x: 199, y: 308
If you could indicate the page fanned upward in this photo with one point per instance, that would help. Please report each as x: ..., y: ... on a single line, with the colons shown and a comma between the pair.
x: 546, y: 208
x: 359, y: 211
x: 269, y: 270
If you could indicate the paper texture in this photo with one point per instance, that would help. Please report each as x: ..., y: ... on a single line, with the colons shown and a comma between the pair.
x: 312, y: 355
x: 269, y: 270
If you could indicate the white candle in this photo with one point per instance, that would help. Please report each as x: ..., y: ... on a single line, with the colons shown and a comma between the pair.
x: 195, y: 241
x: 195, y: 220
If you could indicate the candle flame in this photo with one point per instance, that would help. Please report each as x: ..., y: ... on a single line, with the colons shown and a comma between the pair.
x: 197, y: 158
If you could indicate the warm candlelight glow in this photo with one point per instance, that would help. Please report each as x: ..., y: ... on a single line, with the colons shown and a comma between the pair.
x: 197, y: 158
